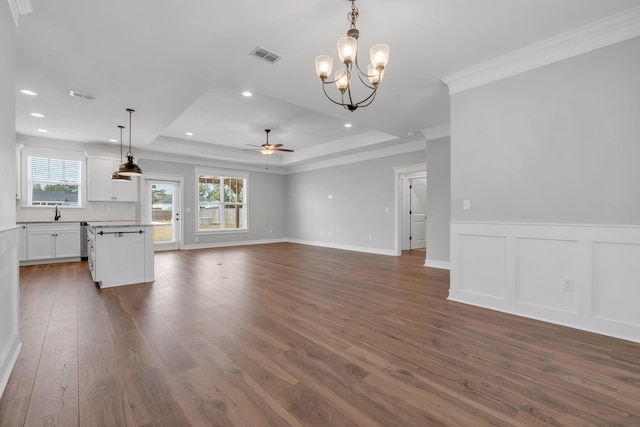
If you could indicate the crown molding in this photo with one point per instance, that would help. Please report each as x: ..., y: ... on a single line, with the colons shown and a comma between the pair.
x: 437, y: 132
x: 605, y: 32
x: 391, y: 150
x: 18, y: 8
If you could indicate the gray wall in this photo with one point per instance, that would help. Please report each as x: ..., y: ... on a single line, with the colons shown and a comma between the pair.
x: 361, y: 193
x: 559, y: 144
x: 266, y: 209
x: 9, y: 284
x: 438, y: 199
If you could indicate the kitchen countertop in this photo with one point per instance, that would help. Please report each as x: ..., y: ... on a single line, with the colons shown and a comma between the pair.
x: 106, y: 224
x: 49, y: 222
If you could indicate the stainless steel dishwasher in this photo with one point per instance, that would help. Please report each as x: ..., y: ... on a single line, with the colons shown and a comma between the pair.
x: 84, y: 252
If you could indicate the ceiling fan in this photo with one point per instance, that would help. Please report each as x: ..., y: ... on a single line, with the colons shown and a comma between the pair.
x: 268, y: 149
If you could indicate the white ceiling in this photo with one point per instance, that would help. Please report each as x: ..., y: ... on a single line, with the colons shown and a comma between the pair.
x: 182, y: 65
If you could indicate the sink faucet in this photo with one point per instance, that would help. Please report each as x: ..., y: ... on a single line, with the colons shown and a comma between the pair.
x: 57, y: 214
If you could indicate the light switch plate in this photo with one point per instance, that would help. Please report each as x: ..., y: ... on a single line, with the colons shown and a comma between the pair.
x: 466, y: 205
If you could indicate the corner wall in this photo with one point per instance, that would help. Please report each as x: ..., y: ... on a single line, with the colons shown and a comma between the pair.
x: 9, y: 285
x: 549, y: 162
x: 438, y: 202
x: 349, y: 206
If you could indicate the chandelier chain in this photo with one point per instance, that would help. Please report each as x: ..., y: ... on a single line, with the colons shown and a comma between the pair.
x: 353, y: 15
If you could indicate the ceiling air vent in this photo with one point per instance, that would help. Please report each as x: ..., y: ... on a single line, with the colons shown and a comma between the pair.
x: 265, y: 54
x: 81, y: 95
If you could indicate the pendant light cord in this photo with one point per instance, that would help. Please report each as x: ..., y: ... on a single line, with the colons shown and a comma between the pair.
x: 130, y: 153
x: 121, y: 127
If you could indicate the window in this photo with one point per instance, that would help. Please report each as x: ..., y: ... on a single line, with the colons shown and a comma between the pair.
x: 222, y: 202
x: 54, y: 181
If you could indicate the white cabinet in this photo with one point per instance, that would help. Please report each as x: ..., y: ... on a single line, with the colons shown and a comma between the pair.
x: 51, y: 241
x: 22, y: 242
x: 101, y: 188
x: 121, y: 255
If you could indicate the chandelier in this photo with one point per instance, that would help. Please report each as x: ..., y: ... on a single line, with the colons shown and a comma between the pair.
x: 348, y: 52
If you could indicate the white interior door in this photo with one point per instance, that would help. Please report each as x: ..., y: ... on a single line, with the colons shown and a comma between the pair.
x: 417, y: 213
x: 164, y: 209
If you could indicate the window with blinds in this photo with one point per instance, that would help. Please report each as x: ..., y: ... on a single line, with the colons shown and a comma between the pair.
x: 54, y: 182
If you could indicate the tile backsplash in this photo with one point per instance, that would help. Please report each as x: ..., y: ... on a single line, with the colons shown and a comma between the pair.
x: 93, y: 211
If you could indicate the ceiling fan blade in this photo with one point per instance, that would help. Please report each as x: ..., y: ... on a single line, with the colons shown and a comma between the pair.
x: 283, y: 149
x: 277, y: 145
x: 257, y: 146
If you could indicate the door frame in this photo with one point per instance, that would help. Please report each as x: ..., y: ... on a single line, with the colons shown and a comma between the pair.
x: 406, y: 208
x: 145, y: 206
x: 401, y: 173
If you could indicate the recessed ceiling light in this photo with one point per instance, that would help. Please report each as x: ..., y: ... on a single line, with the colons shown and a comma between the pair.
x: 113, y: 140
x: 28, y: 92
x: 348, y: 125
x: 189, y: 133
x: 247, y: 93
x: 37, y: 115
x: 43, y: 130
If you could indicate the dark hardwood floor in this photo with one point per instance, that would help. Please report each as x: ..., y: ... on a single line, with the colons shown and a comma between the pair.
x: 287, y: 334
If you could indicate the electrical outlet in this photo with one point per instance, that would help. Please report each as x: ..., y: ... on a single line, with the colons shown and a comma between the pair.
x: 196, y: 239
x: 567, y: 284
x: 370, y: 237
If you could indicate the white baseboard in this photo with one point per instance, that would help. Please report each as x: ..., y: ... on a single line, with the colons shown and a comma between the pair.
x: 443, y: 265
x: 228, y: 244
x: 9, y: 362
x: 50, y: 261
x: 581, y: 276
x: 377, y: 251
x: 389, y: 252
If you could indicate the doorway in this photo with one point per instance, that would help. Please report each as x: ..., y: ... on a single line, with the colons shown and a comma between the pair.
x: 417, y: 212
x: 410, y: 207
x: 163, y: 208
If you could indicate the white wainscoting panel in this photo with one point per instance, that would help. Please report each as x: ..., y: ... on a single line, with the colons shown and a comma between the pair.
x: 9, y: 304
x: 583, y: 276
x: 542, y: 266
x: 616, y: 282
x: 483, y: 261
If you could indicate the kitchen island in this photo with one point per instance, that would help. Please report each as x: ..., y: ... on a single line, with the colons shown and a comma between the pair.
x: 120, y: 252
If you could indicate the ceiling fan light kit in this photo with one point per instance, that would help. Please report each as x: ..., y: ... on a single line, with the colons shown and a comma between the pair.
x: 268, y: 149
x: 348, y: 53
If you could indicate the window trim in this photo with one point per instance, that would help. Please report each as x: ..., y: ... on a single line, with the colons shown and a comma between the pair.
x: 224, y: 173
x: 29, y: 151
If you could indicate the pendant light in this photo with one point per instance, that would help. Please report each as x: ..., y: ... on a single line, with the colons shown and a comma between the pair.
x: 129, y: 168
x: 116, y: 175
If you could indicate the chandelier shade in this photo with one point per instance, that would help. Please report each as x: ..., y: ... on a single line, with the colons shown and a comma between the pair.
x: 348, y: 53
x: 347, y: 49
x: 324, y: 65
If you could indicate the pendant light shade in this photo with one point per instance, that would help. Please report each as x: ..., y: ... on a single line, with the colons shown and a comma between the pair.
x: 116, y: 175
x: 129, y: 168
